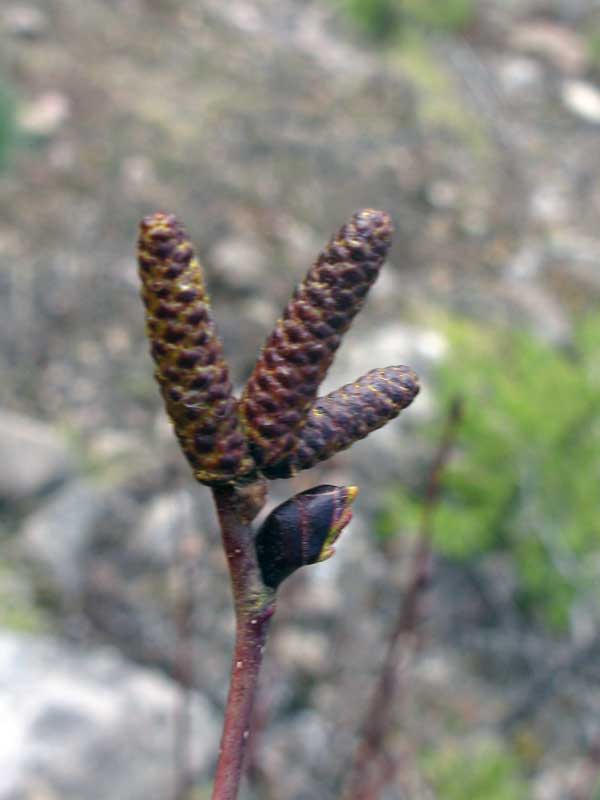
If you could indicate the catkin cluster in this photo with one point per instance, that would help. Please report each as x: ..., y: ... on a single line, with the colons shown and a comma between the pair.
x: 279, y: 426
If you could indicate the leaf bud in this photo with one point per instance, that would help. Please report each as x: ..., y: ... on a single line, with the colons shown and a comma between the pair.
x: 302, y: 531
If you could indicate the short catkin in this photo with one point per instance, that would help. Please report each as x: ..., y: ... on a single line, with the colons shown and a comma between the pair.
x: 299, y: 351
x: 350, y: 413
x: 190, y: 368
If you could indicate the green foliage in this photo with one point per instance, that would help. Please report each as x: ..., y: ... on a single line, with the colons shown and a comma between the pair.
x: 8, y: 127
x: 525, y: 476
x: 199, y: 792
x: 384, y: 19
x: 405, y: 23
x: 452, y: 15
x: 593, y: 46
x: 379, y: 19
x: 487, y: 772
x: 17, y: 610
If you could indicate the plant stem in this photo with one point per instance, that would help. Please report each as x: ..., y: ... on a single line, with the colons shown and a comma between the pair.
x: 254, y: 606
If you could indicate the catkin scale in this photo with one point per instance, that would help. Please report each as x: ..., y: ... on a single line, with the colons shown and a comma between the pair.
x: 299, y: 351
x: 346, y: 415
x: 190, y: 368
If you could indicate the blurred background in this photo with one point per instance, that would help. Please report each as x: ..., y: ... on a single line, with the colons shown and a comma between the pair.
x: 264, y: 124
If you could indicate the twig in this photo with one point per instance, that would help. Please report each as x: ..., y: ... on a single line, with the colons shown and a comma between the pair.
x: 372, y: 766
x: 265, y: 706
x: 255, y: 771
x: 254, y: 606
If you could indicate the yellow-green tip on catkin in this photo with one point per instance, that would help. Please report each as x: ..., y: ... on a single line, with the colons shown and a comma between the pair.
x: 190, y: 367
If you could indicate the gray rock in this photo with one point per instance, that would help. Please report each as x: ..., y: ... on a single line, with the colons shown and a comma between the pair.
x: 44, y: 116
x: 582, y: 99
x: 304, y: 650
x: 535, y: 307
x: 520, y: 75
x: 143, y: 560
x: 58, y: 536
x: 578, y: 257
x: 32, y: 456
x: 90, y: 724
x: 25, y: 21
x: 240, y: 261
x: 290, y: 747
x: 392, y: 343
x: 560, y: 46
x: 165, y: 524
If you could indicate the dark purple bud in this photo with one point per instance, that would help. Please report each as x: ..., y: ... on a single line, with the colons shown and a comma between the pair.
x: 302, y: 531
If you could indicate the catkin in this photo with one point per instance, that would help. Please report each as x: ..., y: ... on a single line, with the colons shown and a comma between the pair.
x: 343, y: 417
x: 190, y: 368
x: 299, y: 351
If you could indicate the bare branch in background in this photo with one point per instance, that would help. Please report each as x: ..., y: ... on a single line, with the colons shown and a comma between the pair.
x: 374, y: 767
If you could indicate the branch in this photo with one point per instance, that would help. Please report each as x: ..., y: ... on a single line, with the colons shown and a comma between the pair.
x: 254, y: 606
x: 372, y: 767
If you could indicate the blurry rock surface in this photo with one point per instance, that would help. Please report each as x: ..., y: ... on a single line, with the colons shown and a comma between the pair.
x: 71, y: 724
x: 59, y: 535
x: 33, y: 456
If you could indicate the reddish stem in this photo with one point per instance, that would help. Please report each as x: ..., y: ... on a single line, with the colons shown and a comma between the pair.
x: 247, y: 658
x: 254, y: 607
